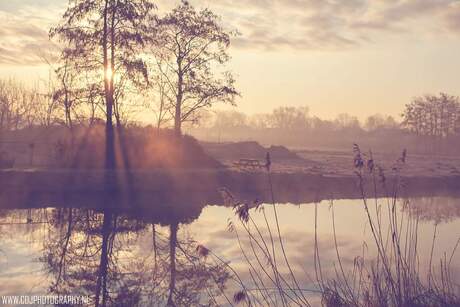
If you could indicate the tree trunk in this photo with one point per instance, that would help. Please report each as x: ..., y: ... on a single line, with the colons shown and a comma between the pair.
x: 109, y: 133
x: 101, y: 282
x: 178, y: 121
x: 178, y: 113
x: 172, y: 259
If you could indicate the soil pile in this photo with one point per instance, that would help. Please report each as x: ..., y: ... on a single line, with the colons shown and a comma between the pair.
x: 135, y: 148
x: 248, y: 150
x: 138, y: 148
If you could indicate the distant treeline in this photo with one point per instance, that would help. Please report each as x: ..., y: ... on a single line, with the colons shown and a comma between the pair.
x: 429, y: 124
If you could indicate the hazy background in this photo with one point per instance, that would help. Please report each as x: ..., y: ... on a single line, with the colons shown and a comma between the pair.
x: 359, y: 57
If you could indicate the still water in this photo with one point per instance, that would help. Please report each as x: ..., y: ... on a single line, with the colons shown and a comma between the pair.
x: 203, y: 254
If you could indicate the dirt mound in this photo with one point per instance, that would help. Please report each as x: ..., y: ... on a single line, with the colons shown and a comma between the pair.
x: 249, y: 150
x: 135, y: 148
x: 281, y: 152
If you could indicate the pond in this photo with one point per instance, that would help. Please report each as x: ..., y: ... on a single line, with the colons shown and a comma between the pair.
x: 206, y: 254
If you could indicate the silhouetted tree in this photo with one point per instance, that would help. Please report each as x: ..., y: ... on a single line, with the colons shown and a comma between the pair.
x: 290, y: 118
x: 322, y: 125
x: 104, y: 38
x: 434, y: 116
x: 22, y: 107
x: 260, y: 121
x: 162, y: 96
x: 346, y: 121
x: 230, y: 119
x: 66, y: 94
x: 379, y: 121
x: 189, y: 46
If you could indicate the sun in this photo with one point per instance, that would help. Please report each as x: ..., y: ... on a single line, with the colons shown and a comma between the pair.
x: 108, y: 73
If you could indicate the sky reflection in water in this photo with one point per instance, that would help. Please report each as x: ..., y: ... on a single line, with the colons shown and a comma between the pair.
x: 62, y: 250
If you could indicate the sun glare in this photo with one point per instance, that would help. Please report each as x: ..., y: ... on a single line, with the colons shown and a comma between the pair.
x: 108, y: 73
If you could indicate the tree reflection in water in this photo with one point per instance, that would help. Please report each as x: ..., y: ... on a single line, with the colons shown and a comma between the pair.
x: 127, y: 258
x: 435, y: 209
x: 113, y: 259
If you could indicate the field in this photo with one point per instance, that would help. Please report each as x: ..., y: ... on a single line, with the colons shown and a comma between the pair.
x: 332, y: 162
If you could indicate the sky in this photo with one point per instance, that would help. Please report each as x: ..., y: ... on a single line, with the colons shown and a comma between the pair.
x: 335, y: 56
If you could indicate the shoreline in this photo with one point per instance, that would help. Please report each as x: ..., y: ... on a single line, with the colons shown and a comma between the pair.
x: 192, y: 186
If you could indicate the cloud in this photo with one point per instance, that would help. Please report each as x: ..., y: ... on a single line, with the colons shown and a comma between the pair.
x: 332, y: 24
x: 24, y: 33
x: 15, y: 6
x: 22, y: 43
x: 295, y: 24
x: 452, y: 18
x: 263, y: 24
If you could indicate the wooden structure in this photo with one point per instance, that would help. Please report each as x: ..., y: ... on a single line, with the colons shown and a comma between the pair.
x: 249, y: 163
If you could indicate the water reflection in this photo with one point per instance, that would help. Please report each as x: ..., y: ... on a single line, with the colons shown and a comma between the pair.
x: 118, y: 260
x: 149, y: 256
x: 437, y: 209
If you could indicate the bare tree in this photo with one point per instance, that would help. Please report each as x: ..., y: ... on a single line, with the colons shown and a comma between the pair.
x: 104, y: 39
x: 379, y: 121
x: 346, y: 121
x: 260, y: 121
x: 190, y: 45
x: 434, y: 116
x: 162, y: 100
x: 22, y: 107
x: 67, y: 91
x: 290, y: 118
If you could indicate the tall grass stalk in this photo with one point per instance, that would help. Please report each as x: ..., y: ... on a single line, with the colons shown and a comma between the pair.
x: 389, y: 277
x: 392, y: 277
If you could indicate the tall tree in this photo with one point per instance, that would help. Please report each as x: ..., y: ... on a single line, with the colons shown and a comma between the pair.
x: 19, y: 105
x: 378, y: 121
x: 433, y: 116
x: 190, y: 47
x: 346, y: 121
x: 290, y: 118
x: 104, y: 39
x: 66, y: 92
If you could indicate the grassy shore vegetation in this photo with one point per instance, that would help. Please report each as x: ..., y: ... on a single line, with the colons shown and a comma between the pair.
x: 388, y: 272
